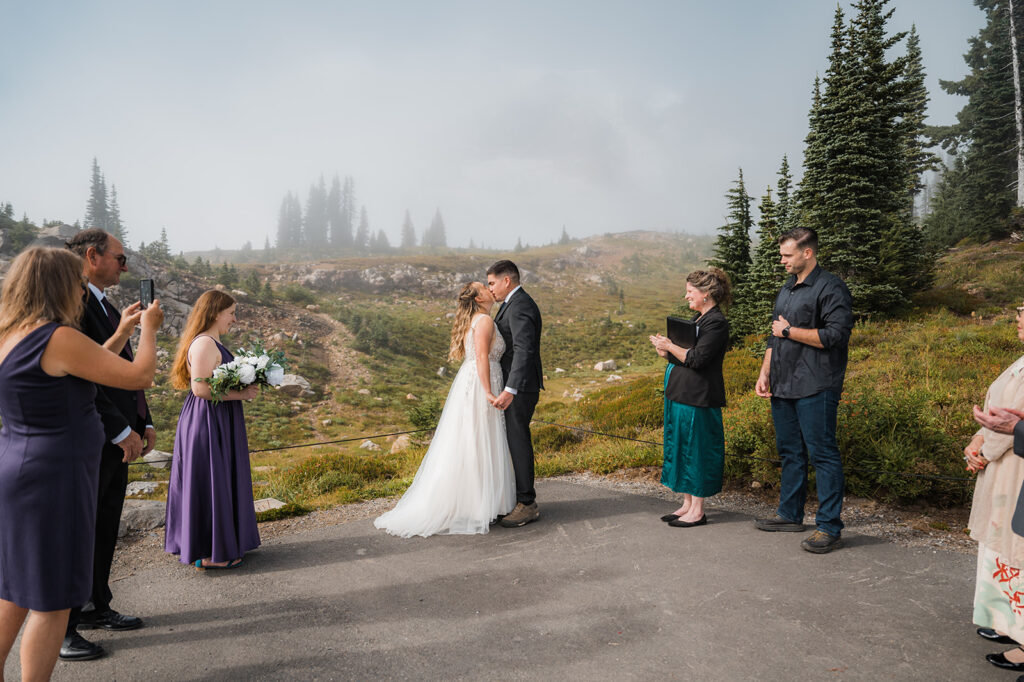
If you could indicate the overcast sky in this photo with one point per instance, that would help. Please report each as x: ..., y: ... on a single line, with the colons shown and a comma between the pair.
x: 513, y: 118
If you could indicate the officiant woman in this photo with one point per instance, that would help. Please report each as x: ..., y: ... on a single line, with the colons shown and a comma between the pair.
x: 694, y: 440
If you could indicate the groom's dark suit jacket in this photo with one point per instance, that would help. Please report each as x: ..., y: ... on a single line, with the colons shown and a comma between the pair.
x: 519, y: 324
x: 118, y: 409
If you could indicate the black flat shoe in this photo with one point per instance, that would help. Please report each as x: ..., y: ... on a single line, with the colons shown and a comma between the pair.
x: 999, y: 660
x: 689, y: 524
x: 669, y: 517
x: 993, y: 636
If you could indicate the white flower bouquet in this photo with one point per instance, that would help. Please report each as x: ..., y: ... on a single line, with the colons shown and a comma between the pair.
x: 254, y: 365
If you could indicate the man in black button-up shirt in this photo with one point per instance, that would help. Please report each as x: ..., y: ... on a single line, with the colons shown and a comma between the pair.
x: 802, y: 373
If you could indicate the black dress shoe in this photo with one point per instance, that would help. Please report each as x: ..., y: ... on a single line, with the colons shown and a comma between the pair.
x: 999, y: 660
x: 679, y: 523
x: 669, y: 517
x: 108, y: 620
x: 78, y: 648
x: 993, y: 636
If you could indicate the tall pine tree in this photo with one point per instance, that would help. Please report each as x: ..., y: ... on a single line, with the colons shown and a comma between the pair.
x: 732, y: 246
x: 408, y: 233
x: 97, y: 210
x: 755, y: 296
x: 975, y: 197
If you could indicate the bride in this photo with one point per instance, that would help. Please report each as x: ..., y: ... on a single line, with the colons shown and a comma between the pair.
x: 465, y: 480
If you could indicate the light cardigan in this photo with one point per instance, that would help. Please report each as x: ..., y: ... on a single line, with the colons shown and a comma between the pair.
x: 999, y: 483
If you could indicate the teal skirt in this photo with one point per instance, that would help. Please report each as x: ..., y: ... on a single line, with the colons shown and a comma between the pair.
x: 694, y: 450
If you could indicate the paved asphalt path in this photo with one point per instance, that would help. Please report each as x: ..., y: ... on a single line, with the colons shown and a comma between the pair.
x: 598, y: 589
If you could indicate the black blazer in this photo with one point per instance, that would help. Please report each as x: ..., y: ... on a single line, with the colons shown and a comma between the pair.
x: 118, y: 408
x: 519, y: 324
x: 698, y: 381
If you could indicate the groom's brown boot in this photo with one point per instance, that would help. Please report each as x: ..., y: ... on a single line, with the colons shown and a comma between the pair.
x: 521, y: 515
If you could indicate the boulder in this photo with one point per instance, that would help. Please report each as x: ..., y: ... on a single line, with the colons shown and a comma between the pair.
x: 141, y: 515
x: 605, y: 366
x: 266, y: 504
x: 369, y: 445
x: 363, y: 391
x: 442, y: 372
x: 141, y: 488
x: 295, y: 386
x: 158, y: 459
x: 265, y: 469
x: 401, y: 443
x: 613, y: 377
x: 410, y: 396
x: 559, y: 370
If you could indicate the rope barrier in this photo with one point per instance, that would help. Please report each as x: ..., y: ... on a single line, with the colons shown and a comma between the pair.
x: 301, y: 445
x: 774, y: 462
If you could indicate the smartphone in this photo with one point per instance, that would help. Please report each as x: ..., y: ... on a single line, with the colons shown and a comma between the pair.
x: 145, y: 292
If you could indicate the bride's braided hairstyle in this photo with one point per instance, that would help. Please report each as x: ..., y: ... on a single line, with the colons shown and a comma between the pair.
x: 466, y: 308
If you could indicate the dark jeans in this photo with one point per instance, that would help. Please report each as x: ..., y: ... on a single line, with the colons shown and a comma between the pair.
x: 805, y: 428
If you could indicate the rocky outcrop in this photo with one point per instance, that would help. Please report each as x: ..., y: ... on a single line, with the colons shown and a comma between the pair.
x: 141, y: 515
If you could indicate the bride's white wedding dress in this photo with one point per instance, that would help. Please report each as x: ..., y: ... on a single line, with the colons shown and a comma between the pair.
x: 465, y: 480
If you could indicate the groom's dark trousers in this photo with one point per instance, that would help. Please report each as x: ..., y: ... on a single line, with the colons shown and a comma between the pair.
x: 519, y: 323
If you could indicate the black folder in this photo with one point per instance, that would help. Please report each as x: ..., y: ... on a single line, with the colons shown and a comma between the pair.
x: 681, y: 332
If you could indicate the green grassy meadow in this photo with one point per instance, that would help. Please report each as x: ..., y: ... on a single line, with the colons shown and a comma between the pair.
x: 905, y: 413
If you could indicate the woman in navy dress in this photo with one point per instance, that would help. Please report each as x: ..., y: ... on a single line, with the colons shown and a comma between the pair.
x: 50, y: 448
x: 211, y: 522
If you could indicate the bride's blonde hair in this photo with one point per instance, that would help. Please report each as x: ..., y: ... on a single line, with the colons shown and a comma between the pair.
x: 466, y: 308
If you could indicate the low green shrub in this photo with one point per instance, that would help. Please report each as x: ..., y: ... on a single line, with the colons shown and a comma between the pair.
x: 425, y: 413
x: 323, y: 474
x: 299, y: 295
x: 548, y: 438
x: 626, y: 409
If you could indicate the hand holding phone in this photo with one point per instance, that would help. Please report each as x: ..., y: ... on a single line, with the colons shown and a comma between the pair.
x: 146, y: 292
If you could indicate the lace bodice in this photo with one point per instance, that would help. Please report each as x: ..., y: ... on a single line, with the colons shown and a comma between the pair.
x: 497, y: 343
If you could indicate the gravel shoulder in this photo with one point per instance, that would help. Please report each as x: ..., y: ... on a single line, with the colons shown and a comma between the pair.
x: 911, y: 527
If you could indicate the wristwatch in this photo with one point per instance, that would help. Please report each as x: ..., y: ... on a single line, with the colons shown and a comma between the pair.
x: 785, y: 332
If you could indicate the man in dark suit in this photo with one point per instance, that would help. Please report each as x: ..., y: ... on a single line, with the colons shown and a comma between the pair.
x: 519, y: 323
x: 128, y: 429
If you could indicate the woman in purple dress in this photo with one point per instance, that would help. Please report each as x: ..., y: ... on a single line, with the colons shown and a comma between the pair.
x: 50, y: 448
x: 210, y: 517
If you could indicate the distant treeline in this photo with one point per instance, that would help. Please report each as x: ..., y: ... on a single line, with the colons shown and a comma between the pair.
x: 331, y: 220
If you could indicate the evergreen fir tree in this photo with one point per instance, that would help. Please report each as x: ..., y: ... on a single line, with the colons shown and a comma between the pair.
x: 316, y: 215
x: 564, y: 239
x: 340, y: 231
x: 362, y: 240
x: 755, y: 296
x: 408, y: 233
x: 348, y: 212
x: 435, y: 237
x: 116, y: 226
x: 732, y: 246
x: 975, y: 197
x: 381, y: 243
x: 97, y: 210
x: 785, y: 215
x: 911, y: 125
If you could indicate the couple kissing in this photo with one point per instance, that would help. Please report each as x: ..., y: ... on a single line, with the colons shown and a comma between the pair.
x: 478, y: 469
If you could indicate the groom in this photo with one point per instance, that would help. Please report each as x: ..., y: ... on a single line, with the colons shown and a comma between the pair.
x: 518, y: 321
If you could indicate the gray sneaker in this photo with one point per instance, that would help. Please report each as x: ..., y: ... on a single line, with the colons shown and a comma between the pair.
x: 778, y: 524
x: 821, y: 542
x: 521, y: 515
